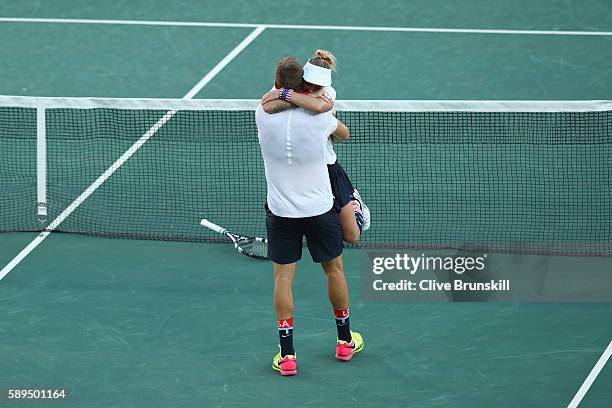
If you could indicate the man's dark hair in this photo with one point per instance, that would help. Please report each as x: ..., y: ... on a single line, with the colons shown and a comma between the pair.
x: 289, y: 73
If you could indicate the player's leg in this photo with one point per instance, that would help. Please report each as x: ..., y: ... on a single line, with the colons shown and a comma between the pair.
x: 284, y: 249
x: 337, y: 288
x: 283, y: 290
x: 285, y: 361
x: 353, y: 213
x: 324, y: 239
x: 348, y: 342
x: 350, y: 229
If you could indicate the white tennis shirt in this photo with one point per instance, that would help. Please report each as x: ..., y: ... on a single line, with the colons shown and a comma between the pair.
x: 294, y: 149
x: 330, y: 92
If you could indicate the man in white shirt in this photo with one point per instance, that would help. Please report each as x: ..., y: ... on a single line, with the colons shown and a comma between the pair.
x: 300, y: 203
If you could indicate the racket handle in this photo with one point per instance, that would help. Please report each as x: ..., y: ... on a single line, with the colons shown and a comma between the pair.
x: 210, y: 225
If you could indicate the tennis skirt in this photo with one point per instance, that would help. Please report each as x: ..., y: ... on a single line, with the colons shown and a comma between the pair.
x: 341, y: 185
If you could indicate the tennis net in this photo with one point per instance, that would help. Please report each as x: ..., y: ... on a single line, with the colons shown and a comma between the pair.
x: 527, y: 177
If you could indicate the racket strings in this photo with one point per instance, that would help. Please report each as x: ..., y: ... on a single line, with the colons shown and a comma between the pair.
x: 253, y: 246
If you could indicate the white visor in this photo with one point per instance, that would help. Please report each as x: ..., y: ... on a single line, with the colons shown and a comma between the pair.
x: 317, y: 75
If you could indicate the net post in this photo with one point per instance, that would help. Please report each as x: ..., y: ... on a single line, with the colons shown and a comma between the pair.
x: 41, y: 163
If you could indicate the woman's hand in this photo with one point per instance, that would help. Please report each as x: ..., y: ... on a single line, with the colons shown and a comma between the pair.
x: 270, y: 96
x: 321, y: 94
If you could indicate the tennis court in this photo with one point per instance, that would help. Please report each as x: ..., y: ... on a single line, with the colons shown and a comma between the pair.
x: 135, y: 322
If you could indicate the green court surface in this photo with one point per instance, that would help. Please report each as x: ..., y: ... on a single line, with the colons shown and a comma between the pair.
x: 384, y: 65
x: 132, y: 323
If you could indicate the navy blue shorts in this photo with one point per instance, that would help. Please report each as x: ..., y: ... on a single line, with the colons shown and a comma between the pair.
x: 342, y: 188
x: 285, y: 237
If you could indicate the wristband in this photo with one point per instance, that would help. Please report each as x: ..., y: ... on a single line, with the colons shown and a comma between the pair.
x: 285, y: 94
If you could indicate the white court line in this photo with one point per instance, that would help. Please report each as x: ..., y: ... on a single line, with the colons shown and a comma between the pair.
x: 302, y: 27
x: 591, y: 377
x: 129, y: 153
x: 228, y: 58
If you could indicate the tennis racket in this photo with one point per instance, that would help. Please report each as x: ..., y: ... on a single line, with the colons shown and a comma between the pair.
x: 249, y: 246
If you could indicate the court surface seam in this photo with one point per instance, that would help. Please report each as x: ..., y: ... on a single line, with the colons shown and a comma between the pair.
x: 129, y: 153
x: 304, y: 27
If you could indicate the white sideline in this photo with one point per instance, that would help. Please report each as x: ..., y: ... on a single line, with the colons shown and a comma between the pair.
x: 129, y: 153
x: 301, y: 26
x: 591, y: 377
x: 223, y: 63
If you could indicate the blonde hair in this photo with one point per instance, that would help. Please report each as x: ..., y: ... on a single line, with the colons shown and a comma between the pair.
x: 324, y: 59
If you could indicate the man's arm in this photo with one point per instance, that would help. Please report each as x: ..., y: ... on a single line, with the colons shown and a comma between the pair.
x: 317, y: 102
x: 276, y: 106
